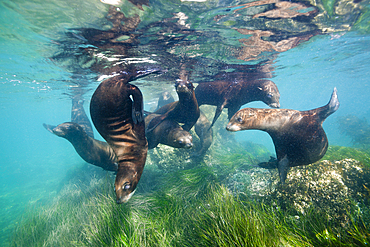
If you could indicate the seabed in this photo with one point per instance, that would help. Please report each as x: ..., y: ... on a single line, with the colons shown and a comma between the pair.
x: 222, y: 199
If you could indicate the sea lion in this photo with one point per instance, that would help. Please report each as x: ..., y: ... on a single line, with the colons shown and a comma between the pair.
x: 164, y: 99
x: 185, y: 110
x: 92, y: 151
x: 116, y: 109
x: 298, y: 136
x: 80, y: 134
x: 169, y: 133
x: 205, y: 133
x: 232, y: 94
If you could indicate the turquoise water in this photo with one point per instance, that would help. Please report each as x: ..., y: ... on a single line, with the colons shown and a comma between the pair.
x: 34, y: 85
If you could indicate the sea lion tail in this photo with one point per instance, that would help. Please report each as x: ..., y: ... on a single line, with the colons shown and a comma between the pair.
x: 333, y: 104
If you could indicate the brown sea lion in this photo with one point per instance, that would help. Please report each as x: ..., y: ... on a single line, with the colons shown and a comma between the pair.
x: 80, y: 134
x: 116, y: 110
x: 232, y: 94
x: 92, y: 151
x: 169, y: 133
x: 298, y: 136
x: 185, y: 110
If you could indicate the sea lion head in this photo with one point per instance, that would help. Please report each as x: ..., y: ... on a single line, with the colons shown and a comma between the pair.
x: 181, y: 139
x: 68, y: 130
x: 243, y: 119
x: 184, y: 86
x: 269, y: 93
x: 125, y: 184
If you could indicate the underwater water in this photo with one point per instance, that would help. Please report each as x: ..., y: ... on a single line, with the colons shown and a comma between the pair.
x: 51, y: 49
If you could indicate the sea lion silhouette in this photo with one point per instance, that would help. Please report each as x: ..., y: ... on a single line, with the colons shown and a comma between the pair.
x: 298, y: 136
x: 164, y: 99
x: 116, y: 110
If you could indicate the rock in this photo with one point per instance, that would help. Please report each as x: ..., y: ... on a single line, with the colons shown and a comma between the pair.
x: 336, y: 188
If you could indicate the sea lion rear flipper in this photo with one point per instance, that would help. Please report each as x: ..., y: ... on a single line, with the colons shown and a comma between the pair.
x: 333, y: 104
x: 49, y: 127
x: 283, y: 167
x: 217, y: 113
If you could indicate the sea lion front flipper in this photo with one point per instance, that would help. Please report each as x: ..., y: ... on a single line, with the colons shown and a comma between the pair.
x: 49, y: 127
x: 271, y: 164
x: 137, y: 106
x: 283, y: 167
x: 154, y: 123
x: 218, y: 113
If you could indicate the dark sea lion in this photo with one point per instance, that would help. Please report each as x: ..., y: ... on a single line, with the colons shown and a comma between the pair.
x: 164, y: 99
x: 205, y: 133
x: 298, y: 136
x: 185, y: 110
x: 234, y: 93
x: 116, y: 110
x: 169, y: 133
x: 92, y: 151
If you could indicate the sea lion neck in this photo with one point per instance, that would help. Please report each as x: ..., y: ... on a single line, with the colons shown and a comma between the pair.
x: 269, y: 120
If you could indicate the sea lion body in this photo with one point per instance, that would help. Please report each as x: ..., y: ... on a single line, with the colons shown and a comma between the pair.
x: 116, y: 110
x: 185, y: 110
x: 92, y: 151
x: 298, y: 136
x: 232, y: 94
x: 169, y: 133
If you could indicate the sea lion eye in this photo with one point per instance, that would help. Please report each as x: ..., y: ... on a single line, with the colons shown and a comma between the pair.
x: 239, y: 119
x: 270, y: 95
x: 126, y: 186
